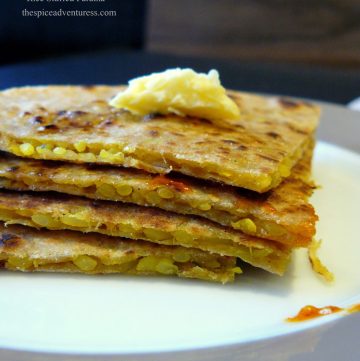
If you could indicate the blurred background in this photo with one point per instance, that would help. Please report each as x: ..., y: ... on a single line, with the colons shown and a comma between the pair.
x: 323, y: 32
x: 271, y: 38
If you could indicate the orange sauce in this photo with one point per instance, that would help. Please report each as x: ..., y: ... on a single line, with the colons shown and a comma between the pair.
x: 162, y: 180
x: 354, y: 308
x: 309, y: 312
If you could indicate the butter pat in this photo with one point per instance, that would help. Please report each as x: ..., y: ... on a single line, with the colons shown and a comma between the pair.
x: 179, y: 91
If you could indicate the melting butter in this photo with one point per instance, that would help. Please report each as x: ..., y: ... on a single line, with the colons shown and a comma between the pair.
x: 178, y: 91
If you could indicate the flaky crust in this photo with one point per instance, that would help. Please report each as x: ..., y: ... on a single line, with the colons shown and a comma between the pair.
x: 256, y: 151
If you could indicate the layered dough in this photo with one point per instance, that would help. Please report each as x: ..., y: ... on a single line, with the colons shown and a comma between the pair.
x: 283, y: 214
x: 58, y: 212
x: 28, y: 250
x: 77, y: 124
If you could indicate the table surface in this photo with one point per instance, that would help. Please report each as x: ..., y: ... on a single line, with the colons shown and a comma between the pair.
x: 117, y: 66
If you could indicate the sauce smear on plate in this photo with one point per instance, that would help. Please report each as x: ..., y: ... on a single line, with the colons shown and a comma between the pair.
x: 309, y: 312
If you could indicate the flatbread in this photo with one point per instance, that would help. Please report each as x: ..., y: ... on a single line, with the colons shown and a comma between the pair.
x: 28, y: 250
x: 282, y: 214
x: 77, y: 124
x: 59, y: 211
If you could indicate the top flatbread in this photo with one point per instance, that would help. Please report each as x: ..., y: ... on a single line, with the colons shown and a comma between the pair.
x: 76, y: 124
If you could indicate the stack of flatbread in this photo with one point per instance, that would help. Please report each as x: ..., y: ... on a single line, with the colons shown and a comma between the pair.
x: 89, y: 188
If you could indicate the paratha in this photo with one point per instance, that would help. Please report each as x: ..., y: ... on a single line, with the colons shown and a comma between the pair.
x: 77, y: 124
x: 282, y: 214
x: 59, y: 211
x: 28, y: 250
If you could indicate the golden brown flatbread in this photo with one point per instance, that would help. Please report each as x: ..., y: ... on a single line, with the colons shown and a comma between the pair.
x: 282, y: 214
x: 77, y: 124
x: 28, y: 250
x: 60, y: 211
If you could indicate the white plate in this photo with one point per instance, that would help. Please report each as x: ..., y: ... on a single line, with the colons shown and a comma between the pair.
x: 354, y: 104
x: 128, y: 318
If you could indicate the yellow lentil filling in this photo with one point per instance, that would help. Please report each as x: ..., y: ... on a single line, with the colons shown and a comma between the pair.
x: 115, y: 154
x: 79, y: 220
x: 73, y: 152
x: 165, y: 192
x: 85, y: 263
x: 124, y: 190
x: 286, y: 165
x: 26, y: 149
x: 246, y: 225
x: 142, y: 196
x: 80, y: 146
x: 106, y: 190
x: 181, y: 263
